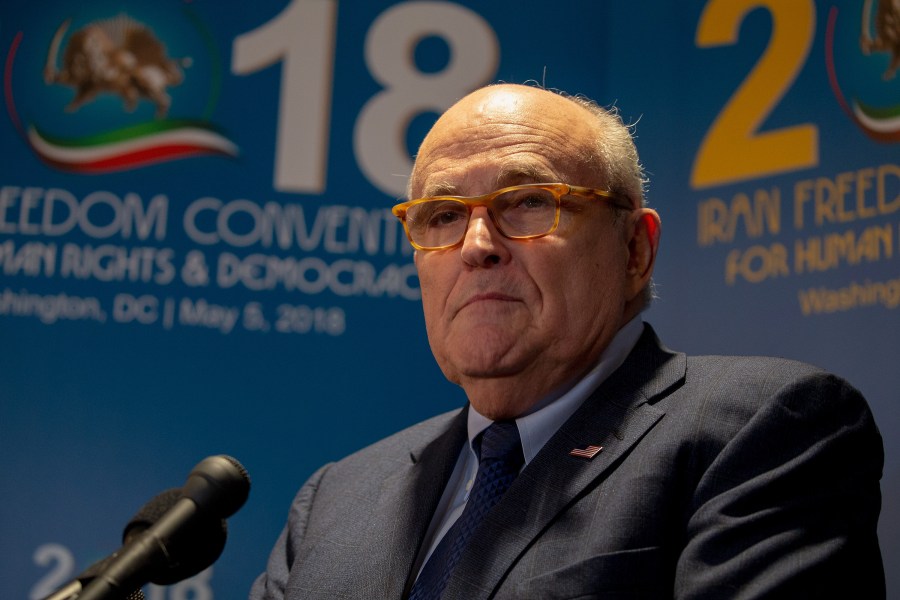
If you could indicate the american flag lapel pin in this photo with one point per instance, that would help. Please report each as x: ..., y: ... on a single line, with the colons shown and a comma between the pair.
x: 589, y: 452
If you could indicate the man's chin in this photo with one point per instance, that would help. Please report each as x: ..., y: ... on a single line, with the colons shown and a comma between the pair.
x: 488, y: 356
x: 483, y: 368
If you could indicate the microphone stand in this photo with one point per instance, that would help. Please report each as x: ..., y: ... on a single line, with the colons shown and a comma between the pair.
x: 73, y: 589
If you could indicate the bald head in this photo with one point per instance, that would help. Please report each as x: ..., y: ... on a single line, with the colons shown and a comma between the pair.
x: 593, y: 141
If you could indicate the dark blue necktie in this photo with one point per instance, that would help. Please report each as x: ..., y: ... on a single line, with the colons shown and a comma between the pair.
x: 499, y: 460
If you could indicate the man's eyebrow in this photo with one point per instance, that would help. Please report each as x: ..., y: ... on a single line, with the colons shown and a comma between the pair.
x: 507, y: 175
x: 522, y: 173
x: 441, y: 188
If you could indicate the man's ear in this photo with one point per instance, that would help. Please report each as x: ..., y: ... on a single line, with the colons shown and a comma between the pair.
x: 643, y: 230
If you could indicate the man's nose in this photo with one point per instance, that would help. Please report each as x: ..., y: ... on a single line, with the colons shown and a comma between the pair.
x: 483, y: 246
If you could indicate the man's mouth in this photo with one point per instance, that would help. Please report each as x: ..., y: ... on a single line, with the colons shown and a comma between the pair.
x: 489, y: 297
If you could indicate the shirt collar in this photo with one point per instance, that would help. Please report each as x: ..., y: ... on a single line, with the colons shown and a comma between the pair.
x: 538, y: 426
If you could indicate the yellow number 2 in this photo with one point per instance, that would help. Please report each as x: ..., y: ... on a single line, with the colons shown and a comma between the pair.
x: 734, y: 149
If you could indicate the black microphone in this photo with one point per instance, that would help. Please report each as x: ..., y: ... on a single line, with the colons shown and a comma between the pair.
x: 204, y: 547
x: 204, y: 539
x: 167, y: 551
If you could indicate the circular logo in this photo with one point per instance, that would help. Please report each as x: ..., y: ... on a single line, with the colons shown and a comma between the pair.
x: 862, y: 52
x: 104, y: 93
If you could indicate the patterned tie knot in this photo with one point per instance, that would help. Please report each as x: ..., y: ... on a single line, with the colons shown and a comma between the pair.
x: 500, y: 441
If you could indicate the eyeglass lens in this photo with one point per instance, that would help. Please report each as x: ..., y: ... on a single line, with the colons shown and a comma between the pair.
x: 516, y: 213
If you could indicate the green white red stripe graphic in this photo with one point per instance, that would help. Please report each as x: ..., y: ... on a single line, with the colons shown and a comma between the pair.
x: 883, y: 121
x: 131, y: 147
x: 119, y: 150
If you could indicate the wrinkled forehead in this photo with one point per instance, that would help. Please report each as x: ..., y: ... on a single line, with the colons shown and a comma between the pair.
x: 489, y: 175
x: 499, y: 137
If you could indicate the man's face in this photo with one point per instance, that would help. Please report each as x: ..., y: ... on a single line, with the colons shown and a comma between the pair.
x: 513, y: 321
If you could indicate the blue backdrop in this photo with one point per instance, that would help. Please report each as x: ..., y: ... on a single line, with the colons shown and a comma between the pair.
x: 197, y: 254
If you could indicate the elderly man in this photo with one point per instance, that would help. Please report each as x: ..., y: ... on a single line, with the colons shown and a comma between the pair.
x: 590, y: 461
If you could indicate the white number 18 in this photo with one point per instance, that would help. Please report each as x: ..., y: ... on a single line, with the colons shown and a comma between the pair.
x: 302, y: 38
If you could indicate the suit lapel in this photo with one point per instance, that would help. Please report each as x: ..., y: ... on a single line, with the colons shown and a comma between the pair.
x: 395, y: 517
x: 410, y: 499
x: 616, y: 416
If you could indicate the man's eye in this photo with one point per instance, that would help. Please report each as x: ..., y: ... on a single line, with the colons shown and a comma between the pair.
x: 532, y: 202
x: 444, y: 218
x: 536, y: 201
x: 445, y: 215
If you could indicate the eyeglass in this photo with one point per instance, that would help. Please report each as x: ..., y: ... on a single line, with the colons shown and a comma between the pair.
x: 520, y: 212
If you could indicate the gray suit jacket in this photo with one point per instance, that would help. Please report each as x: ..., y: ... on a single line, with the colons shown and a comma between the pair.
x: 720, y: 477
